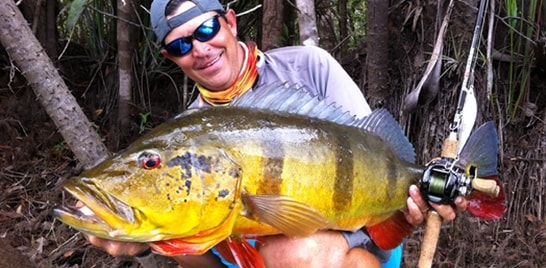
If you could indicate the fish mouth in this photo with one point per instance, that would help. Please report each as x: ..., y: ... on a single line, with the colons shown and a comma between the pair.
x: 101, y: 215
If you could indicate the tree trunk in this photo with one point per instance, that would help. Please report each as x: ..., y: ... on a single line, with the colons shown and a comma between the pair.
x: 272, y: 23
x: 23, y: 47
x: 377, y: 61
x: 307, y: 22
x: 51, y: 91
x: 125, y: 35
x: 343, y: 28
x: 42, y: 17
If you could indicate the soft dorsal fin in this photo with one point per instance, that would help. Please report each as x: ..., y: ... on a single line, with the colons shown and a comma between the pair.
x: 383, y: 124
x: 294, y: 99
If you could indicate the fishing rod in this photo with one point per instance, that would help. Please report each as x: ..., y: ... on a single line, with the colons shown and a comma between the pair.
x: 443, y: 179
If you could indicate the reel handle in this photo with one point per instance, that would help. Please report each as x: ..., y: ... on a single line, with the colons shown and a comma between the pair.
x: 488, y: 187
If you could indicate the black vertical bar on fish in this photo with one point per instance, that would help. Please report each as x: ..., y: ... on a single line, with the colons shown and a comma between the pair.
x: 273, y: 166
x: 344, y: 180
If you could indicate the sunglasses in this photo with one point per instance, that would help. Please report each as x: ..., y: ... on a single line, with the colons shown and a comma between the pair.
x: 206, y: 31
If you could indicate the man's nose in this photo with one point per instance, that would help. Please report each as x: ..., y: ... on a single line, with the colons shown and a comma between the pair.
x: 200, y: 49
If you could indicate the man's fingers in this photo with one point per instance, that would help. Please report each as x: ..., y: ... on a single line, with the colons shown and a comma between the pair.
x: 418, y: 207
x: 117, y: 248
x: 414, y: 215
x: 445, y: 211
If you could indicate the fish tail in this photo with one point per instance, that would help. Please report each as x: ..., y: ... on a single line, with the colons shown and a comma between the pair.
x: 479, y: 156
x: 238, y: 250
x: 485, y: 206
x: 481, y: 151
x: 390, y: 233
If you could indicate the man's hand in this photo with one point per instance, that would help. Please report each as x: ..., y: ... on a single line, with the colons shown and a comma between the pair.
x: 418, y: 208
x: 117, y: 248
x: 322, y: 249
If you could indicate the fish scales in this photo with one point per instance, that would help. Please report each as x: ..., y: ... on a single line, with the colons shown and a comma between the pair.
x: 313, y: 154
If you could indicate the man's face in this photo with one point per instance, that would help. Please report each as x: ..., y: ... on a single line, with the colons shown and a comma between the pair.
x: 216, y: 63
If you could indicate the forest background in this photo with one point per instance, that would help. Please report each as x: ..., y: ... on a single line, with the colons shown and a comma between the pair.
x: 115, y: 83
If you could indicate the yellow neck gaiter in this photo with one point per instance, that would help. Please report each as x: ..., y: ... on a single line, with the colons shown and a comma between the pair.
x: 245, y: 81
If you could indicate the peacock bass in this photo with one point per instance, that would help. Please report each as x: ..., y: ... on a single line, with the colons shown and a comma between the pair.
x: 276, y: 161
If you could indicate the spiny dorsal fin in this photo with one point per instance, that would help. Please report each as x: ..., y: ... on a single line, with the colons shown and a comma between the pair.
x: 294, y: 99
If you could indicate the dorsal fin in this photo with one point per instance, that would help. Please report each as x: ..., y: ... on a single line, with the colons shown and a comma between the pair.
x: 383, y: 124
x: 294, y: 99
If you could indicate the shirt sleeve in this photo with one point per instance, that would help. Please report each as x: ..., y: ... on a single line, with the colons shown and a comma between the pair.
x: 334, y: 83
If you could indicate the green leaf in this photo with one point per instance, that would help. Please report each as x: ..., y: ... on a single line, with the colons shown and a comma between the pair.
x: 75, y: 10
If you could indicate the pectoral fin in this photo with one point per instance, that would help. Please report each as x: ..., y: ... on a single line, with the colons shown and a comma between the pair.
x: 289, y: 216
x: 180, y: 246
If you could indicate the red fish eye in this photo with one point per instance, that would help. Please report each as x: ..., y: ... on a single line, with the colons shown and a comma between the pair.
x: 150, y: 161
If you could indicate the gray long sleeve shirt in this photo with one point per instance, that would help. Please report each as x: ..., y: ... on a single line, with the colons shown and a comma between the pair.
x: 314, y: 69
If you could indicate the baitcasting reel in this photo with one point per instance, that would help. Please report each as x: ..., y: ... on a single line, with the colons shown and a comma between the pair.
x: 444, y: 180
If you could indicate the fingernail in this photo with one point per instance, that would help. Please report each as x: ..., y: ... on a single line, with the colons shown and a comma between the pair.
x: 458, y: 200
x: 413, y: 189
x: 410, y: 201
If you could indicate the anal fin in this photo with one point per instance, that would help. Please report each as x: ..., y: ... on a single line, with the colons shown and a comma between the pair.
x: 390, y: 233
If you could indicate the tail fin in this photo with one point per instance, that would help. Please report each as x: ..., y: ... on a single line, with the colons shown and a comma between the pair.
x: 480, y: 153
x: 481, y: 150
x: 485, y: 206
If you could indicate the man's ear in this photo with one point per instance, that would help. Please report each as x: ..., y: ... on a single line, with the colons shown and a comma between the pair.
x: 166, y: 54
x: 231, y: 21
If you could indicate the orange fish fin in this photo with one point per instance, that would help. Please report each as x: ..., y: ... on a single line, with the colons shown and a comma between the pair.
x: 237, y: 250
x: 172, y: 247
x: 179, y: 246
x: 485, y: 206
x: 289, y: 216
x: 390, y: 233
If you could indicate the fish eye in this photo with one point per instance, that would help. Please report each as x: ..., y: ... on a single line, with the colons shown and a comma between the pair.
x: 149, y: 160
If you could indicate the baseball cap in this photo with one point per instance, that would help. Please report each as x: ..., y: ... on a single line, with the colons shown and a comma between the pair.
x: 162, y: 26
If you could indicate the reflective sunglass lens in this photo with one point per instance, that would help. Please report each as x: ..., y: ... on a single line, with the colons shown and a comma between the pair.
x: 179, y: 47
x: 203, y: 33
x: 207, y: 30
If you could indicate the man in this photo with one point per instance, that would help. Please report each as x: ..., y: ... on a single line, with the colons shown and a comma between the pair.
x: 200, y: 36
